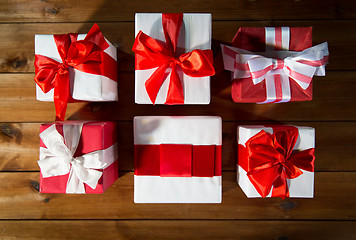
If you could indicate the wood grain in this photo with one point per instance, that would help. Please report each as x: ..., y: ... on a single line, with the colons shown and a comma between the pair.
x: 334, y: 100
x: 335, y: 142
x: 19, y: 199
x: 27, y: 214
x: 17, y: 42
x: 188, y: 229
x: 101, y: 10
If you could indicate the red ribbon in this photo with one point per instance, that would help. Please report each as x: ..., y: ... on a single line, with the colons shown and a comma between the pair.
x: 151, y: 54
x: 271, y: 161
x: 178, y: 160
x: 84, y: 55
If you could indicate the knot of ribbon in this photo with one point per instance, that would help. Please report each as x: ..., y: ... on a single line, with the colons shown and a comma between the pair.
x: 84, y: 55
x: 58, y: 159
x: 278, y: 63
x: 271, y: 161
x: 298, y: 66
x: 152, y: 54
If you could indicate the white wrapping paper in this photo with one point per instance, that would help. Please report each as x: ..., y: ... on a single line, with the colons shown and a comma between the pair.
x: 302, y: 186
x: 194, y: 130
x: 83, y: 86
x: 195, y: 33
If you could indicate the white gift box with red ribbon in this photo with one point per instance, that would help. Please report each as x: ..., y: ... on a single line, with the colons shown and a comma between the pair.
x: 195, y: 33
x: 83, y: 86
x: 159, y: 140
x: 302, y: 186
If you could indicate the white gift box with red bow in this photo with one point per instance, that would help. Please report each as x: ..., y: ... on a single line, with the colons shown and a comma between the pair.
x: 195, y: 33
x: 301, y: 186
x: 83, y: 86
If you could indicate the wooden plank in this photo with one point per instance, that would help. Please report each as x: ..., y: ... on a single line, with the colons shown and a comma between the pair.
x: 188, y: 229
x: 92, y: 10
x: 19, y: 199
x: 335, y: 142
x: 27, y: 214
x: 17, y: 42
x: 334, y: 100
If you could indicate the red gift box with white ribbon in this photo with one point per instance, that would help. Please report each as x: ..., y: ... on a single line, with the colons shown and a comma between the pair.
x: 276, y: 161
x: 177, y: 159
x: 78, y: 157
x: 274, y: 64
x: 75, y: 67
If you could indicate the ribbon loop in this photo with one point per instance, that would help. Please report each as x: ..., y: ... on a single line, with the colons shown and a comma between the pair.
x: 271, y: 161
x: 149, y: 53
x: 82, y: 55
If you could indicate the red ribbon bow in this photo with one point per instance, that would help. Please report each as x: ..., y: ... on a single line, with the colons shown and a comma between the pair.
x: 151, y: 54
x: 271, y: 160
x: 83, y: 55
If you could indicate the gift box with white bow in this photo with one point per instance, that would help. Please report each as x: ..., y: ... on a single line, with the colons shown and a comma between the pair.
x: 75, y: 67
x: 77, y: 157
x: 274, y: 64
x: 173, y: 60
x: 276, y: 161
x: 177, y: 159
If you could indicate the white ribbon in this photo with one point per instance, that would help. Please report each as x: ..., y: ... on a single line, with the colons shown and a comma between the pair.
x: 57, y: 159
x: 299, y: 66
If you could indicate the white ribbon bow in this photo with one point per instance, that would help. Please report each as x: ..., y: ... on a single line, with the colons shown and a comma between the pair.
x: 57, y: 159
x: 299, y: 66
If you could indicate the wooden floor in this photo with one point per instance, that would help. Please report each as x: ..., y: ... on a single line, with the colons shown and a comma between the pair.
x: 27, y: 214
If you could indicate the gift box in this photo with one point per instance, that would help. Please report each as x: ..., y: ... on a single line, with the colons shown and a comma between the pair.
x: 274, y: 64
x: 276, y: 161
x: 77, y: 157
x: 177, y: 159
x: 75, y: 67
x: 173, y: 60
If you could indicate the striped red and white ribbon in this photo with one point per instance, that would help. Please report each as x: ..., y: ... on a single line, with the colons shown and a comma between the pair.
x: 277, y: 65
x: 277, y: 38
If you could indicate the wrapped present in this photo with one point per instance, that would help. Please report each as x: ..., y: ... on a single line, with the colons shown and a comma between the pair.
x: 271, y: 65
x: 77, y: 157
x: 75, y: 67
x: 177, y: 159
x: 276, y: 161
x: 173, y: 60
